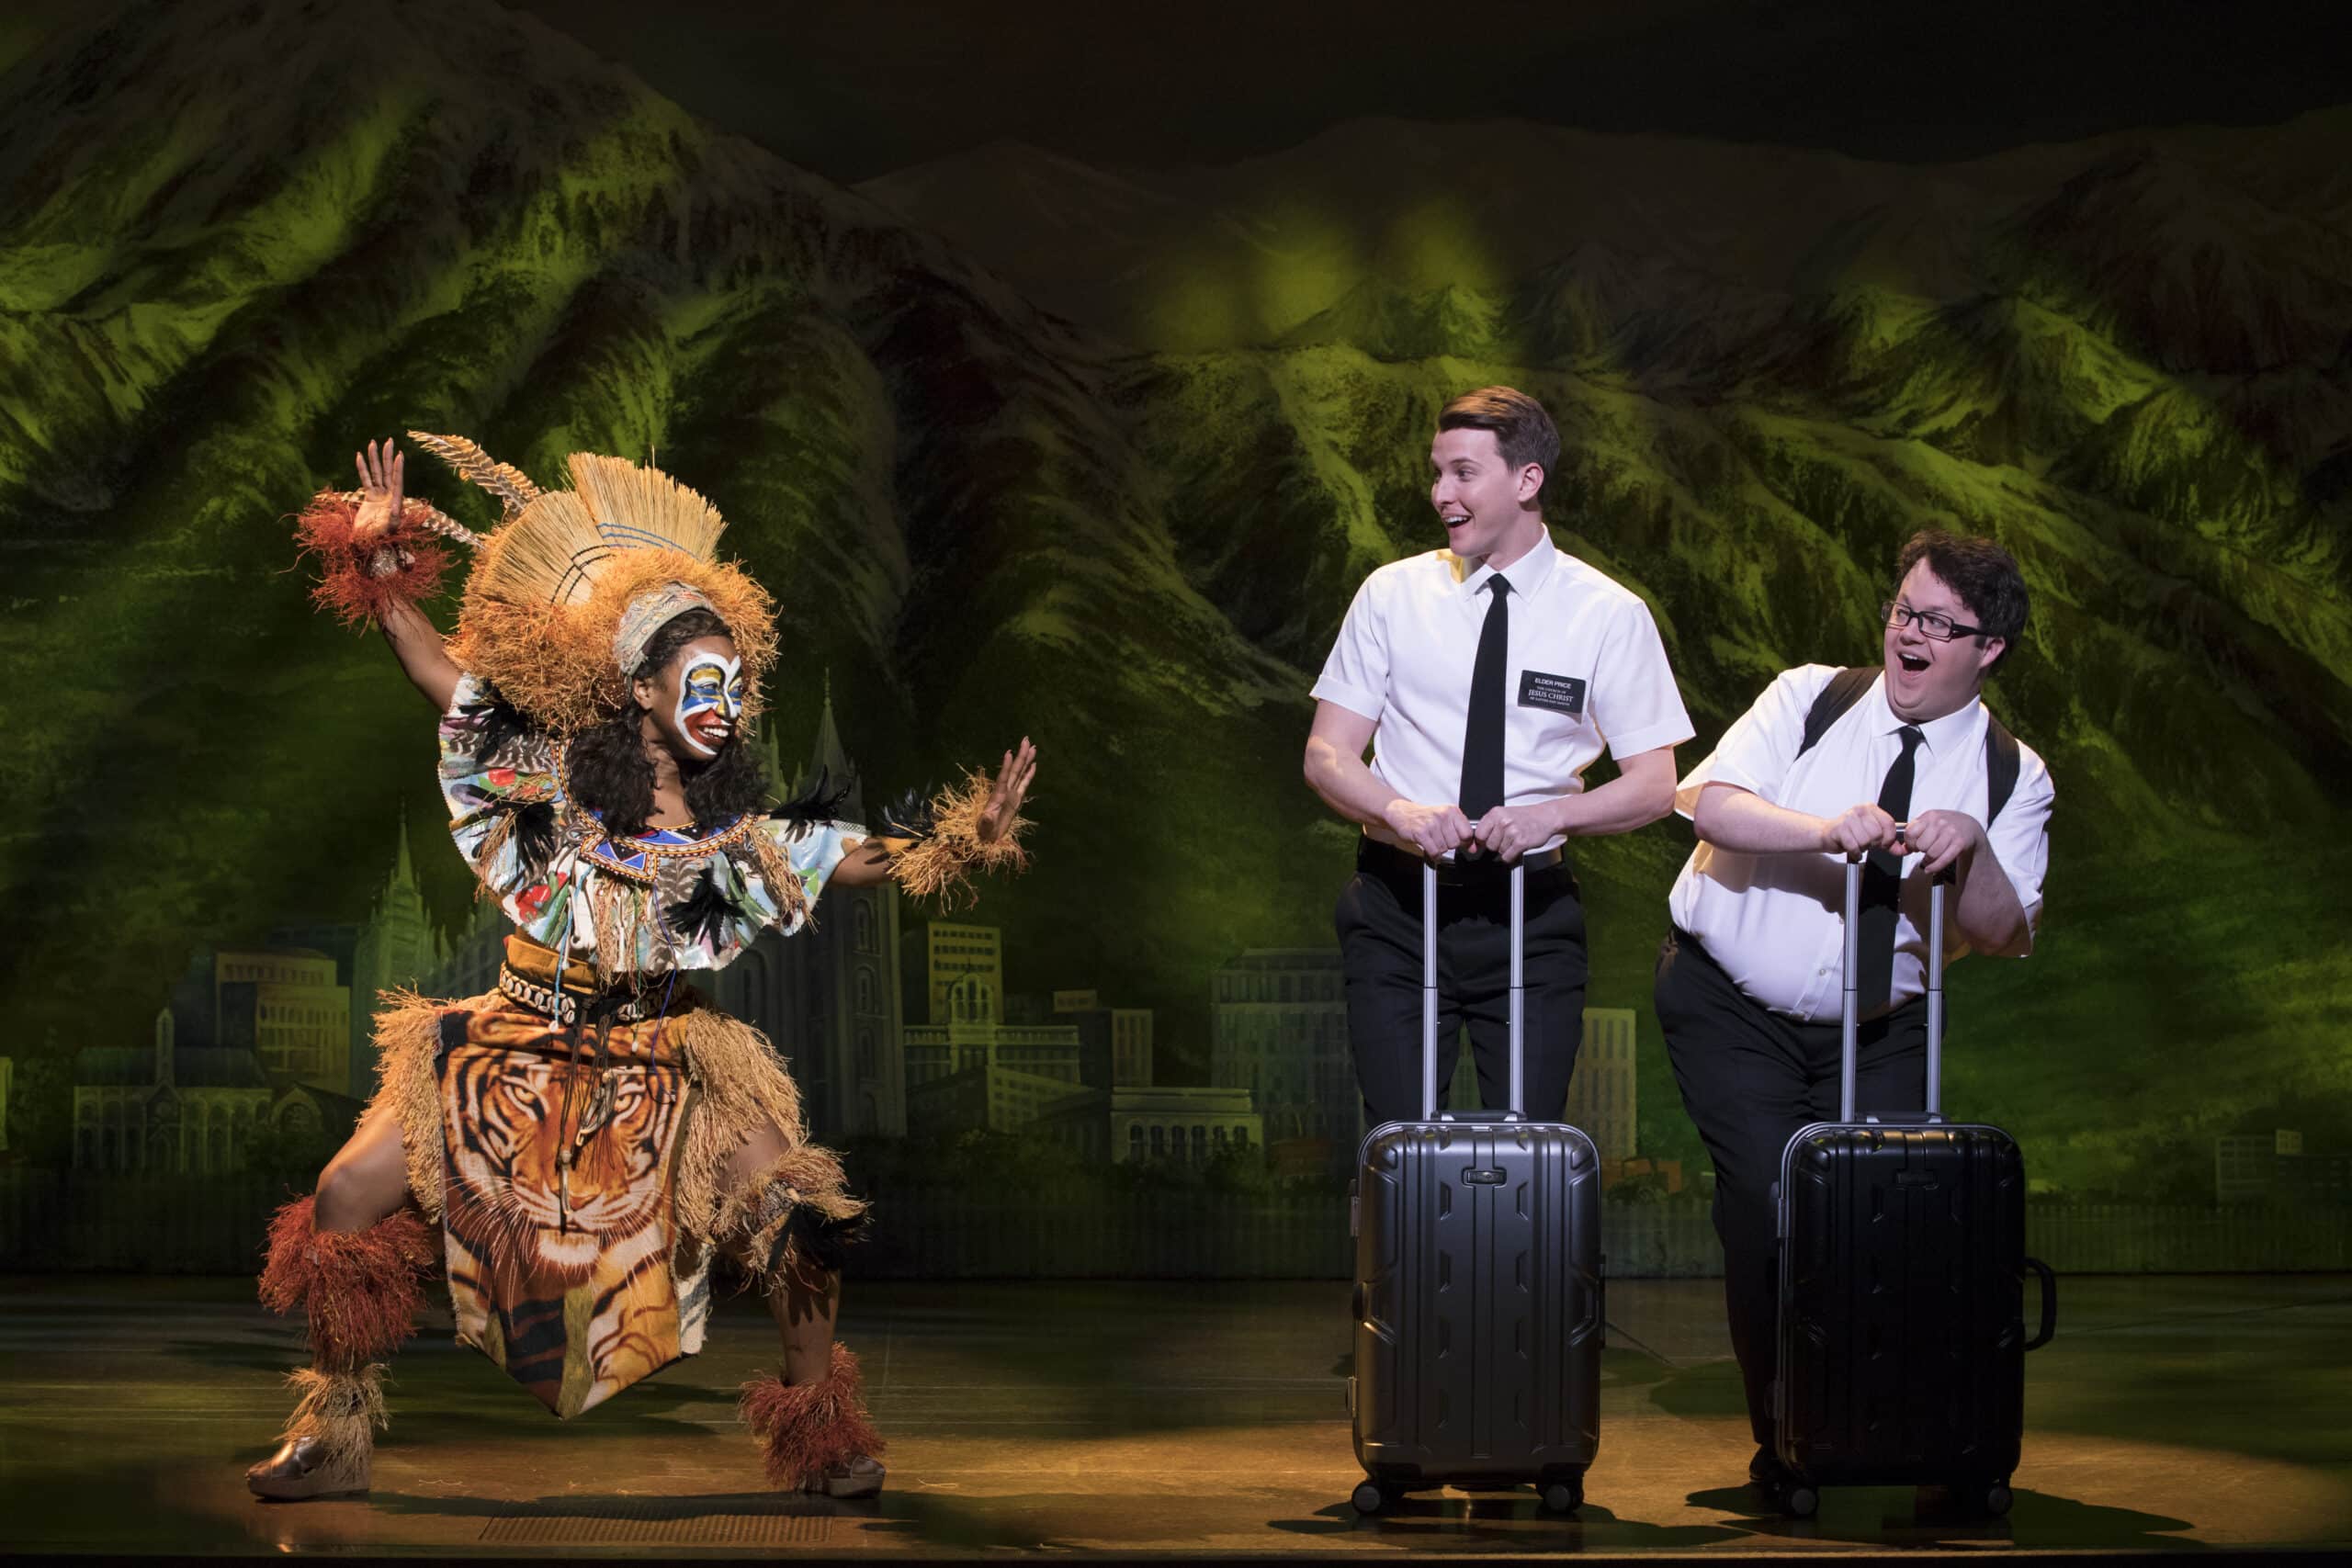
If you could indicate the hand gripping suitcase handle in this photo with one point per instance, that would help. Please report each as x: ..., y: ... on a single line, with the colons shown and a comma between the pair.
x: 1849, y: 1019
x: 1518, y: 1101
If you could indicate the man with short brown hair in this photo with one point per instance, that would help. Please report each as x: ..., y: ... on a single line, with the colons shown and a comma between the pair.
x: 1494, y: 673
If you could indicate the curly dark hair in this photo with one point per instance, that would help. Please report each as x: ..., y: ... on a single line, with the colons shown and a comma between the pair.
x: 1985, y: 577
x: 608, y: 770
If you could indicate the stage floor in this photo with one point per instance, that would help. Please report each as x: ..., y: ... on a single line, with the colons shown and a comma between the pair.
x: 1151, y: 1418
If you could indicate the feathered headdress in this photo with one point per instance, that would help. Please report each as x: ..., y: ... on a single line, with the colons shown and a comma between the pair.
x: 567, y: 592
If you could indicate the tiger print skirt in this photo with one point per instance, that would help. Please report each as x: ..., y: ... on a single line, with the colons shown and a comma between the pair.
x: 585, y: 1172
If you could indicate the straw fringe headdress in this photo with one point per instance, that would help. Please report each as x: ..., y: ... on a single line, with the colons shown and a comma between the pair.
x: 567, y: 592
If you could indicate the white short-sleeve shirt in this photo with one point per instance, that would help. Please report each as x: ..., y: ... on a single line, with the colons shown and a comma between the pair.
x: 1776, y: 923
x: 1586, y: 672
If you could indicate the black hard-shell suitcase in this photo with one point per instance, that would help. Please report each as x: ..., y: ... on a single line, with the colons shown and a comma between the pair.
x: 1901, y: 1344
x: 1478, y: 1284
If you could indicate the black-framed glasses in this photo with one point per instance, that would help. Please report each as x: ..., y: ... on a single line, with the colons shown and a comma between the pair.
x: 1931, y: 623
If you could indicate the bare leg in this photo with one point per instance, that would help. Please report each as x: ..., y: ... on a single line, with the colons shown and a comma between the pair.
x: 804, y: 1299
x: 812, y: 1420
x: 351, y: 1255
x: 367, y: 1178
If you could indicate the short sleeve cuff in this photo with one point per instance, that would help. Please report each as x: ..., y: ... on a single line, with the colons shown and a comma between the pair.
x: 2029, y: 900
x: 1716, y: 771
x: 1355, y: 699
x: 1633, y: 742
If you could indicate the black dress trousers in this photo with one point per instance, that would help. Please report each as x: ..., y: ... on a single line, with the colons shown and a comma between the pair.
x: 1379, y: 921
x: 1749, y: 1079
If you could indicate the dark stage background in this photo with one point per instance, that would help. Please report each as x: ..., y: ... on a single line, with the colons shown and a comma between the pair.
x: 1063, y: 372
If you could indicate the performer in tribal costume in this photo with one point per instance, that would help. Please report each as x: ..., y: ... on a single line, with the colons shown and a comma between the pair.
x: 589, y: 1134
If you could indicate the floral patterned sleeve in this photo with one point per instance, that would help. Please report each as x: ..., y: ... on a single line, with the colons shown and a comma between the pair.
x: 662, y: 900
x: 812, y: 850
x: 507, y: 811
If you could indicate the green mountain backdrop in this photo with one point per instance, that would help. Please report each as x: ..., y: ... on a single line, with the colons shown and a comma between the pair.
x: 1098, y: 455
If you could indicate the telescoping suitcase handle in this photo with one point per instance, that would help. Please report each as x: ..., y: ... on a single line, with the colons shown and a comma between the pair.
x: 1851, y: 1020
x: 1849, y: 1049
x: 1518, y: 1111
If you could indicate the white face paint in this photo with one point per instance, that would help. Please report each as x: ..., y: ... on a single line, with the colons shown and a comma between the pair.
x: 711, y: 699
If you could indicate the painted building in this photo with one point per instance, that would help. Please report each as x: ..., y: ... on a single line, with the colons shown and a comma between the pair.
x: 186, y: 1109
x: 1131, y: 1031
x: 397, y: 949
x: 1185, y: 1126
x: 988, y: 1096
x: 1279, y: 1033
x: 1601, y: 1099
x: 995, y: 1076
x: 289, y: 1007
x: 966, y: 964
x: 2259, y: 1167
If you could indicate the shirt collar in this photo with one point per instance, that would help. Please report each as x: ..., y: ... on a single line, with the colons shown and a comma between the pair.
x: 1938, y: 734
x: 1526, y: 575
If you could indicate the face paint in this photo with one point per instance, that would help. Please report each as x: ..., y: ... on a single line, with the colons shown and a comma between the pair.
x: 711, y: 699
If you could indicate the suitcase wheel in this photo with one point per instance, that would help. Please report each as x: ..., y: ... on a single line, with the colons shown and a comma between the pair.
x: 1564, y: 1497
x: 1369, y: 1499
x: 1994, y: 1499
x: 1800, y: 1501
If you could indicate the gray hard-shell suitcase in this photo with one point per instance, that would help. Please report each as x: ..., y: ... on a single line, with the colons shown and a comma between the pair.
x: 1478, y: 1283
x: 1901, y: 1344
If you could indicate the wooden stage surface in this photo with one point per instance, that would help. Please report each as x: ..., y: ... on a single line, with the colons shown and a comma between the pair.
x: 1139, y: 1418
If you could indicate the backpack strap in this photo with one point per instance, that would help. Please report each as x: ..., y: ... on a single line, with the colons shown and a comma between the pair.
x: 2001, y: 766
x: 1845, y: 689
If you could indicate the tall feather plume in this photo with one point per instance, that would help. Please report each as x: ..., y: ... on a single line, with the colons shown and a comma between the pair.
x: 642, y: 508
x: 510, y: 484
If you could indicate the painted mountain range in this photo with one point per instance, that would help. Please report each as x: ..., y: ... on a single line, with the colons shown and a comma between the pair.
x: 1098, y: 455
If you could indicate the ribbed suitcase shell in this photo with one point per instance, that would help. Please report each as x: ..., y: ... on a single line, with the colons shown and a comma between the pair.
x: 1902, y: 1345
x: 1479, y: 1303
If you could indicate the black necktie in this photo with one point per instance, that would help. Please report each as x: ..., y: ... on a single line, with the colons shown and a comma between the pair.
x: 1482, y: 741
x: 1883, y: 888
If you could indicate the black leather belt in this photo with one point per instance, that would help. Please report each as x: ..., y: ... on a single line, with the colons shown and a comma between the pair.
x: 1384, y: 860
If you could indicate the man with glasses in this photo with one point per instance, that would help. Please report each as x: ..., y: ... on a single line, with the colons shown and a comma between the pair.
x: 1902, y: 763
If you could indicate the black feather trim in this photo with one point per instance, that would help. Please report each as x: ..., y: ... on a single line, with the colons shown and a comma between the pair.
x: 820, y: 1241
x: 703, y: 914
x: 499, y: 726
x: 535, y: 836
x: 820, y: 802
x: 910, y: 816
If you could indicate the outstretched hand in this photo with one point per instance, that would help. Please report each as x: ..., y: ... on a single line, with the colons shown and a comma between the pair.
x: 383, y: 475
x: 1013, y: 780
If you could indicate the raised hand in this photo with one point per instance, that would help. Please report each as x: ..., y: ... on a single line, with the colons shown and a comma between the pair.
x: 1013, y: 780
x: 383, y: 474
